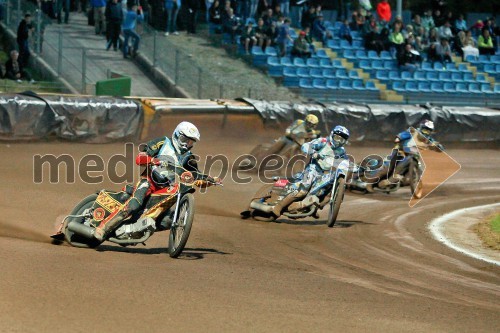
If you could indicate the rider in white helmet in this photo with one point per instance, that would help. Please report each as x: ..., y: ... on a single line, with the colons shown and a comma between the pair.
x: 176, y: 149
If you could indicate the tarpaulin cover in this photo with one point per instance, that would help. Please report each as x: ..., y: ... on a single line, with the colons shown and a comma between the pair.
x: 84, y: 119
x: 378, y: 122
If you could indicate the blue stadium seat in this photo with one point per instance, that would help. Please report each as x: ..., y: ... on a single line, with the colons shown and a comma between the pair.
x: 341, y: 74
x: 353, y: 74
x: 290, y: 71
x: 496, y: 88
x: 432, y: 76
x: 394, y: 76
x: 333, y: 44
x: 345, y: 45
x: 463, y: 67
x: 336, y: 63
x: 495, y: 59
x: 251, y: 19
x: 329, y: 73
x: 305, y: 83
x: 483, y: 58
x: 345, y: 85
x: 427, y: 66
x: 481, y: 78
x: 349, y: 54
x: 398, y: 86
x: 486, y: 88
x: 299, y: 62
x: 371, y: 86
x: 437, y: 87
x: 271, y: 51
x: 470, y: 58
x: 462, y: 87
x: 286, y: 61
x: 424, y: 87
x: 450, y: 67
x: 497, y: 68
x: 385, y: 55
x: 449, y: 87
x: 382, y: 75
x: 303, y: 72
x: 358, y: 85
x: 457, y: 77
x: 312, y: 62
x: 390, y: 65
x: 293, y: 33
x: 419, y: 76
x: 489, y: 68
x: 377, y: 64
x: 365, y: 65
x: 444, y: 76
x: 373, y: 55
x: 361, y: 54
x: 316, y: 73
x: 468, y: 77
x: 256, y: 51
x: 357, y: 44
x: 438, y: 67
x: 319, y: 84
x: 411, y: 86
x: 407, y: 76
x: 325, y: 63
x: 274, y: 66
x: 322, y: 54
x: 332, y: 84
x: 273, y: 61
x: 474, y: 88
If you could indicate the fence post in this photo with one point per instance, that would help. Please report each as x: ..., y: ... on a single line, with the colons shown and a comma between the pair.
x: 199, y: 82
x: 39, y: 28
x: 176, y: 67
x: 60, y: 52
x: 155, y: 35
x: 84, y: 70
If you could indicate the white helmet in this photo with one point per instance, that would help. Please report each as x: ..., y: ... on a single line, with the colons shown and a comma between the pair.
x: 185, y: 136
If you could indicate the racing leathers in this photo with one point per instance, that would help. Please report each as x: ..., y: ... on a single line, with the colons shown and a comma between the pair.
x: 296, y: 133
x: 150, y: 156
x: 324, y: 157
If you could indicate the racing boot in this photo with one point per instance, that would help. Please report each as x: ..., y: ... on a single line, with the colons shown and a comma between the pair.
x: 109, y: 224
x: 292, y: 195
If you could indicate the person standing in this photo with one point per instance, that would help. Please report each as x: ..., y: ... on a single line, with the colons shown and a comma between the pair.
x: 60, y: 6
x: 133, y: 15
x: 172, y: 7
x: 99, y: 7
x: 192, y: 13
x: 114, y: 18
x: 23, y: 33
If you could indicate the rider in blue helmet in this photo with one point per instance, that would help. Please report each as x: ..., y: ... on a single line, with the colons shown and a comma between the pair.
x: 325, y: 154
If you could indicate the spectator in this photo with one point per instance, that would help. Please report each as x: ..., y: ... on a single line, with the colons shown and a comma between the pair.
x: 268, y: 17
x: 396, y: 40
x: 443, y: 51
x: 248, y: 38
x: 215, y: 13
x: 469, y: 40
x: 208, y: 5
x: 99, y: 7
x: 408, y: 31
x: 373, y: 40
x: 285, y: 7
x: 60, y: 5
x: 360, y: 22
x: 277, y: 14
x: 308, y: 18
x: 320, y: 31
x: 370, y: 25
x: 172, y: 7
x: 485, y: 43
x: 114, y: 18
x: 467, y: 45
x: 319, y: 10
x: 48, y: 8
x: 364, y: 7
x: 384, y: 11
x: 14, y: 69
x: 242, y: 9
x: 417, y: 22
x: 410, y: 59
x: 445, y: 31
x: 420, y: 32
x: 224, y: 15
x: 23, y: 34
x: 283, y: 37
x: 260, y: 34
x: 460, y: 23
x: 428, y: 20
x: 254, y: 5
x: 345, y: 32
x: 490, y: 25
x: 133, y: 16
x: 192, y: 13
x: 301, y: 47
x: 232, y: 26
x: 272, y: 34
x: 439, y: 18
x: 308, y: 36
x: 477, y: 28
x: 419, y: 45
x: 433, y: 36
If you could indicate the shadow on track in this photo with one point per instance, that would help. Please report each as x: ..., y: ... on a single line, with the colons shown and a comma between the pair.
x: 188, y: 253
x: 338, y: 224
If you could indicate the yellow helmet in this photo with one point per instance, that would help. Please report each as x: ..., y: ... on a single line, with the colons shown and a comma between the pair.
x: 311, y: 121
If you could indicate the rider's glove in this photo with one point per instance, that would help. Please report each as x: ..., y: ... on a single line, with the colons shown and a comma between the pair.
x: 317, y: 156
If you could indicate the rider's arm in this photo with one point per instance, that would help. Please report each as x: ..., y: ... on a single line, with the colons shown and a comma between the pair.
x: 149, y: 150
x: 202, y: 180
x: 290, y: 130
x: 313, y: 146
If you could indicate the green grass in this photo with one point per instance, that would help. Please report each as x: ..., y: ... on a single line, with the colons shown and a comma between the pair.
x: 495, y: 223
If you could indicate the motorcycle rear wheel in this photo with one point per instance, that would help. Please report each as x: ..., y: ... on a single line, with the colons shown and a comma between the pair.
x: 415, y: 183
x: 336, y: 202
x: 179, y: 232
x: 72, y: 238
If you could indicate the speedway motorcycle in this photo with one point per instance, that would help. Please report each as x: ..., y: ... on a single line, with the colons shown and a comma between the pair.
x: 172, y: 206
x: 327, y: 191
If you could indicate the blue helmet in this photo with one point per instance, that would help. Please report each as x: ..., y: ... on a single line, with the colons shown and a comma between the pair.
x: 339, y: 136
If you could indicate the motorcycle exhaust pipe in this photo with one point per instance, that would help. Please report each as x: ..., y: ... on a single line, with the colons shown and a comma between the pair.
x: 81, y: 229
x: 262, y: 207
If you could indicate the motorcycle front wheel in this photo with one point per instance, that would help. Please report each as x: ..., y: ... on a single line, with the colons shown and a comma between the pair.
x: 179, y: 232
x: 335, y: 203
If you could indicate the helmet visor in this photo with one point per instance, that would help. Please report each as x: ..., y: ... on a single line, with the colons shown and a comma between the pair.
x: 338, y: 140
x: 186, y: 142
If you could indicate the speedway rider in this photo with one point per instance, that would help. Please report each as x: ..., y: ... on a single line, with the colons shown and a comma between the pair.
x: 297, y: 133
x: 178, y: 150
x: 325, y: 153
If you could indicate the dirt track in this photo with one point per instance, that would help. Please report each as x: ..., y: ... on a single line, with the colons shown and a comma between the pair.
x: 378, y: 270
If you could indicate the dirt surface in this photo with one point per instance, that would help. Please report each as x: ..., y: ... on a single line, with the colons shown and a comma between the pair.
x: 378, y: 270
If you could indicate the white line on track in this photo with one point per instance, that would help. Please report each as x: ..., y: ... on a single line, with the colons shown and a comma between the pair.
x: 436, y: 231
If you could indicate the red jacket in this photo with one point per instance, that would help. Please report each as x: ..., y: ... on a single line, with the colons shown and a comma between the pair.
x: 384, y: 11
